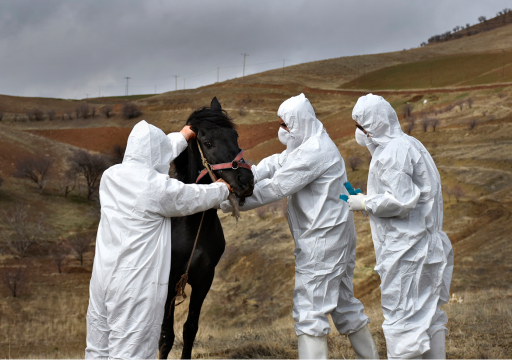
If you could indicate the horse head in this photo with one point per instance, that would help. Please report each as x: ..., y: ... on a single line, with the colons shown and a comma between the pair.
x: 218, y: 138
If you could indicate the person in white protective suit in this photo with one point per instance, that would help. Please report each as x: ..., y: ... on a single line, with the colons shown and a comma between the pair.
x: 414, y: 256
x: 311, y: 173
x: 129, y: 281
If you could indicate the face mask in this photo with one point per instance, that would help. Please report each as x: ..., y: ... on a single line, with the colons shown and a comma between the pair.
x: 284, y: 136
x: 361, y: 137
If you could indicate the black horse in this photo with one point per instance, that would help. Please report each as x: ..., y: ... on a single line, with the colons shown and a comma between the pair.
x: 218, y: 139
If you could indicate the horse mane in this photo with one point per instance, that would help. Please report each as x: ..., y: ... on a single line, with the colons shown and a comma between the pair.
x: 206, y: 119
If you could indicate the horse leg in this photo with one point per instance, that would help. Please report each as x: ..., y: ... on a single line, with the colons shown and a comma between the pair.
x: 199, y: 292
x: 167, y: 333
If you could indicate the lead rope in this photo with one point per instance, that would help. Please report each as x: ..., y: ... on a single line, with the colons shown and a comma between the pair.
x: 180, y: 286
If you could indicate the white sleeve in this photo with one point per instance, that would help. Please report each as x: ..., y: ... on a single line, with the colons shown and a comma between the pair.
x: 300, y: 169
x: 179, y: 199
x: 266, y: 168
x: 179, y: 143
x: 399, y: 193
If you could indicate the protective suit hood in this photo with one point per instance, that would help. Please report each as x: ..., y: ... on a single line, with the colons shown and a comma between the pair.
x: 378, y: 118
x: 150, y: 147
x: 300, y: 118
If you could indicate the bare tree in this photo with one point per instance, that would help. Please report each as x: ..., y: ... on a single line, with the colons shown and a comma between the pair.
x: 472, y: 124
x: 482, y: 19
x: 59, y: 253
x: 38, y: 115
x: 425, y: 123
x: 1, y: 115
x: 470, y: 102
x: 14, y: 279
x: 458, y: 193
x: 107, y: 110
x: 130, y: 110
x: 80, y: 245
x: 407, y: 111
x: 93, y: 111
x: 354, y: 162
x: 67, y: 183
x: 434, y: 122
x: 52, y: 115
x: 90, y: 166
x: 82, y: 111
x: 411, y: 122
x: 34, y: 168
x: 118, y: 153
x: 24, y: 229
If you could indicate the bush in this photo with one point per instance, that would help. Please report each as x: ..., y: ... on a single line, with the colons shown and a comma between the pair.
x: 34, y: 168
x: 14, y: 279
x: 80, y: 245
x: 82, y: 111
x: 52, y: 115
x: 472, y: 124
x: 107, y: 110
x: 1, y: 115
x: 130, y: 110
x: 354, y: 162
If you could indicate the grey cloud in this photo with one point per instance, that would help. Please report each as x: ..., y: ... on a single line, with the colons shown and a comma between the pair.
x: 70, y: 48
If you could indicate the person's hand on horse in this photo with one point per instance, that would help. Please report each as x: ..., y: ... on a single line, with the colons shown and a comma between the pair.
x: 188, y: 133
x: 229, y: 186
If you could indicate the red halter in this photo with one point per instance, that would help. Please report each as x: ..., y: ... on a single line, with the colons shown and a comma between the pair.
x: 235, y: 164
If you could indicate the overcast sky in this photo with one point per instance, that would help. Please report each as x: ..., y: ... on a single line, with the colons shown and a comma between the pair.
x: 68, y: 49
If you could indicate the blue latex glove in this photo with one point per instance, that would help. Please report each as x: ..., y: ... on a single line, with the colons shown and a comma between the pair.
x: 350, y: 190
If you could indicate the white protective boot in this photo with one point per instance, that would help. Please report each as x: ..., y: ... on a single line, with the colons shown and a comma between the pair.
x: 312, y: 347
x: 363, y: 344
x: 437, y: 346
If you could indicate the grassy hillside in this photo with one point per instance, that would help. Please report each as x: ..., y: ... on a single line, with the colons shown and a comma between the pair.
x: 248, y: 310
x: 453, y: 70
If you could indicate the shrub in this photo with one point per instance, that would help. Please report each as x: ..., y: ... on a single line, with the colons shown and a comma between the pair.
x: 52, y: 115
x: 472, y: 124
x: 107, y: 110
x: 14, y: 279
x: 34, y: 168
x: 130, y: 110
x: 80, y: 245
x: 354, y: 162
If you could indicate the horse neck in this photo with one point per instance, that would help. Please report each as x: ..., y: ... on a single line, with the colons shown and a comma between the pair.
x: 188, y: 165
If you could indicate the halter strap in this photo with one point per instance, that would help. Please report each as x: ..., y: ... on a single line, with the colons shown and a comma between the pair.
x: 238, y: 162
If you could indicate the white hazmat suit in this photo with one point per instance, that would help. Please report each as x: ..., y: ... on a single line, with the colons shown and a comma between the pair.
x: 414, y: 256
x: 311, y: 173
x: 129, y: 281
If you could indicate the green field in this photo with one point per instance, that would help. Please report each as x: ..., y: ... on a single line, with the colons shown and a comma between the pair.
x: 453, y: 70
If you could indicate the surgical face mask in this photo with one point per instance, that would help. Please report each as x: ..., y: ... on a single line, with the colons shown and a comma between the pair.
x: 284, y: 136
x: 361, y: 137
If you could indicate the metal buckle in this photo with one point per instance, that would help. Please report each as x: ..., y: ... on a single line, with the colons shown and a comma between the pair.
x: 234, y: 165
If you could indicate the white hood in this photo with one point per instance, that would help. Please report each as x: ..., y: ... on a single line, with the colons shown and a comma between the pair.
x: 378, y: 118
x: 299, y: 117
x: 150, y: 147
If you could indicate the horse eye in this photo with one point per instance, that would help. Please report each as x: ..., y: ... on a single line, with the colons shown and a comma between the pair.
x: 208, y: 144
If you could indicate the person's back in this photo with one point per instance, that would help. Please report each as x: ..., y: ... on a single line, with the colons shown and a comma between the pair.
x: 129, y: 282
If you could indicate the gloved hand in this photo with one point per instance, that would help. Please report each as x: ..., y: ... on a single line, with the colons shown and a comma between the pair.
x: 226, y: 207
x: 356, y: 202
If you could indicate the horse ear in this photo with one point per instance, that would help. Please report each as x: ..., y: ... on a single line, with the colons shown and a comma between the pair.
x: 215, y: 105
